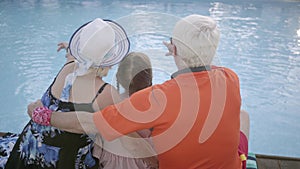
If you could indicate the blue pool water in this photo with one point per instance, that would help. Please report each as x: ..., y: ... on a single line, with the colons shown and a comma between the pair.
x: 260, y: 41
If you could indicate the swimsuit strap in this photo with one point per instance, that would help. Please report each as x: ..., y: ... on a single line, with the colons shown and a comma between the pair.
x: 68, y: 63
x: 60, y: 71
x: 64, y: 66
x: 99, y: 91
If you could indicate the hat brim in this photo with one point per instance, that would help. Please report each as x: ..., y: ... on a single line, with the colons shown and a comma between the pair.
x: 121, y: 48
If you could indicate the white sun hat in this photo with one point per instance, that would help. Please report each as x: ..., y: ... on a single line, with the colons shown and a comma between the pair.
x: 101, y: 43
x: 98, y: 43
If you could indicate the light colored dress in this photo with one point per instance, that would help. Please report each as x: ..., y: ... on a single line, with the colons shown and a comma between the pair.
x: 117, y: 154
x: 113, y: 154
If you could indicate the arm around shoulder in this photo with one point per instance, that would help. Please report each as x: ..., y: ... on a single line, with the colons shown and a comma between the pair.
x: 75, y: 122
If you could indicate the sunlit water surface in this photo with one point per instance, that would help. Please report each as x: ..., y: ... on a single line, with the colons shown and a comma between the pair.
x: 260, y: 42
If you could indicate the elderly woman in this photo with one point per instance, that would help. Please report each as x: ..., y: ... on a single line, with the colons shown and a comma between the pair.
x: 96, y: 46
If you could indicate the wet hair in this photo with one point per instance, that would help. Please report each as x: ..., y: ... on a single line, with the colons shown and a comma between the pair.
x: 196, y: 38
x: 134, y: 72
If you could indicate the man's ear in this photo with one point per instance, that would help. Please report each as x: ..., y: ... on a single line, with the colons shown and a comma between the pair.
x: 174, y: 50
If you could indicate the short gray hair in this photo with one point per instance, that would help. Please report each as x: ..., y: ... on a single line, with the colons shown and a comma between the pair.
x: 196, y: 38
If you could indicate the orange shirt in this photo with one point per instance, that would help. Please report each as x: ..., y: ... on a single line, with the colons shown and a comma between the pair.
x: 194, y: 116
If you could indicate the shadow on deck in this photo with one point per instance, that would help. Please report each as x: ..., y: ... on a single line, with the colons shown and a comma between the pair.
x: 277, y: 162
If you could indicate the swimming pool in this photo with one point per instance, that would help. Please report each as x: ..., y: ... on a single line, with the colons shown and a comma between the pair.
x: 260, y: 41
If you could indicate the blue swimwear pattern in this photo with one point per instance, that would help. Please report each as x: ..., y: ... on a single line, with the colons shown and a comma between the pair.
x: 32, y: 149
x: 7, y: 143
x: 41, y: 146
x: 36, y: 147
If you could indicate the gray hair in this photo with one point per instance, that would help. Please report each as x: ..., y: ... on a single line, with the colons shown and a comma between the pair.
x: 196, y: 38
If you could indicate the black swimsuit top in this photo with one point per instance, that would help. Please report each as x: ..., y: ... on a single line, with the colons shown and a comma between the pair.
x: 56, y: 104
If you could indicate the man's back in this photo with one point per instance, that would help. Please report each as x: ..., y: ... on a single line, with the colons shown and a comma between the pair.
x: 203, y: 128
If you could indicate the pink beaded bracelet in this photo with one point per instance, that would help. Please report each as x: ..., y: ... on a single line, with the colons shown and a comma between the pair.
x: 42, y: 115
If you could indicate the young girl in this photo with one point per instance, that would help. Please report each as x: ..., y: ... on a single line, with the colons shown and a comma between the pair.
x: 135, y: 150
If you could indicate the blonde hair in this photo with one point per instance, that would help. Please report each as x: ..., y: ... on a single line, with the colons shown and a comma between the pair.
x: 196, y: 39
x: 102, y: 72
x: 134, y: 72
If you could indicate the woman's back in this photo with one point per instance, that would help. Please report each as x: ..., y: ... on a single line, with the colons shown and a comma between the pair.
x: 85, y: 89
x: 58, y: 148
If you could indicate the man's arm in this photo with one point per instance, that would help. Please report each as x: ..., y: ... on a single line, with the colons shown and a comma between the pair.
x: 75, y: 122
x: 140, y: 111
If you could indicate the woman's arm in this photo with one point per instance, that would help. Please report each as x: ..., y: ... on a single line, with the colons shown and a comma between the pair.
x: 65, y: 45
